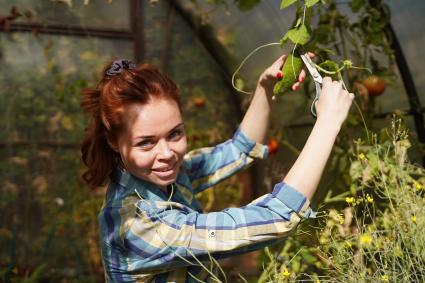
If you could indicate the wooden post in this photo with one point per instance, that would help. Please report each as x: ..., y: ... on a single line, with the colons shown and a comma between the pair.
x: 137, y: 24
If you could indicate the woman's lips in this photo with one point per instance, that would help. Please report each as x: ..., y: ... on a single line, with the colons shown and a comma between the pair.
x: 165, y: 172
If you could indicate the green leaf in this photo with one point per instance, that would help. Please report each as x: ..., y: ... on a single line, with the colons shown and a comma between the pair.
x: 298, y: 35
x: 310, y: 3
x: 299, y: 22
x: 329, y: 65
x: 356, y: 5
x: 286, y: 3
x: 245, y: 5
x: 290, y: 69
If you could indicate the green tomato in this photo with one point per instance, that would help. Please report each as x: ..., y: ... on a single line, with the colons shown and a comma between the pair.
x: 291, y: 70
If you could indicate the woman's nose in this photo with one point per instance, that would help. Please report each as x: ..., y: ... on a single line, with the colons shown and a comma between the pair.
x: 164, y: 150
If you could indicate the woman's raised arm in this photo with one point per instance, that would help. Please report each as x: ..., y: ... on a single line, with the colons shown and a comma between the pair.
x: 332, y: 109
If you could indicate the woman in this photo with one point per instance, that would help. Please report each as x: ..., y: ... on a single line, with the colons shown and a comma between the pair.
x: 152, y: 229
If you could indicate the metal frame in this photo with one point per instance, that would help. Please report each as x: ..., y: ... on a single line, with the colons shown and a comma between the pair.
x: 57, y: 29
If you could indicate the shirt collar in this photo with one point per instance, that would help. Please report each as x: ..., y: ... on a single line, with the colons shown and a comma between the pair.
x: 131, y: 184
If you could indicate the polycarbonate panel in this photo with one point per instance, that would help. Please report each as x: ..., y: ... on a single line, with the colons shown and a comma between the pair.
x: 41, y: 78
x: 242, y: 32
x: 173, y: 46
x: 47, y: 207
x: 407, y: 19
x: 96, y: 13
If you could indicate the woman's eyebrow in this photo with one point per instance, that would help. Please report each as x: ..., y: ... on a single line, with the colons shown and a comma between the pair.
x: 149, y: 137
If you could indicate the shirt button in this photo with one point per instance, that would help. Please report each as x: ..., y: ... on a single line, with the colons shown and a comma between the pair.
x: 212, y: 233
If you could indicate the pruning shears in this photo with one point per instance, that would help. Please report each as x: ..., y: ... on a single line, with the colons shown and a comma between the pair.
x: 317, y: 78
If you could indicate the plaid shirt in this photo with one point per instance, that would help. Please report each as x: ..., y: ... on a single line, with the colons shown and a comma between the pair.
x: 148, y: 235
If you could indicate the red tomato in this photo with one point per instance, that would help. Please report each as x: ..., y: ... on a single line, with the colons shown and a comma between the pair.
x: 199, y: 102
x: 273, y: 146
x: 375, y: 85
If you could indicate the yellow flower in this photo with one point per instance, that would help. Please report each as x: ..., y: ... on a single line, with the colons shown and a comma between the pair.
x: 349, y: 200
x: 365, y: 239
x: 418, y: 186
x: 413, y: 218
x: 361, y: 156
x: 369, y: 198
x: 384, y: 278
x: 286, y: 273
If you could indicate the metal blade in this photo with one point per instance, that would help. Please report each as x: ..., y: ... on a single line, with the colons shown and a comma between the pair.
x: 310, y: 66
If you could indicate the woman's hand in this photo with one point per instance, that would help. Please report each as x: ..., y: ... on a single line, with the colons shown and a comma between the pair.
x: 334, y: 102
x: 273, y: 73
x: 256, y: 120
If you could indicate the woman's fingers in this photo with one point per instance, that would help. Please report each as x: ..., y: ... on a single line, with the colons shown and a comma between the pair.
x: 274, y: 72
x: 279, y: 62
x: 279, y: 75
x: 334, y: 101
x: 296, y: 86
x: 326, y: 80
x: 301, y: 76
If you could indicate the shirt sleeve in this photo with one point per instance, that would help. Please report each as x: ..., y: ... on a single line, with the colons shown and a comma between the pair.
x: 208, y: 166
x: 172, y: 236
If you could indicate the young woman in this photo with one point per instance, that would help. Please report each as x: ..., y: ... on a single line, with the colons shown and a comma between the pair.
x: 152, y: 229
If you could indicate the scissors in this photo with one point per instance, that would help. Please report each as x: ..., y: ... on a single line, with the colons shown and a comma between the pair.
x: 317, y: 81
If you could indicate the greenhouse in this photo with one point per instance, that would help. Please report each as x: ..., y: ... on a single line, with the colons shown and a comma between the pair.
x: 319, y: 200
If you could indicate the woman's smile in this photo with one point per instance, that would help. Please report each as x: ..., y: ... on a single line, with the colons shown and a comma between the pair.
x: 165, y: 171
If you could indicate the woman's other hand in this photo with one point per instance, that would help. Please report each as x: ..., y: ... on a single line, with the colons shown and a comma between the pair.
x: 273, y: 73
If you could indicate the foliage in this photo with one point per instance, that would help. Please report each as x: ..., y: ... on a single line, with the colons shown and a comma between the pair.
x: 373, y: 238
x: 332, y: 35
x: 386, y: 240
x: 379, y: 235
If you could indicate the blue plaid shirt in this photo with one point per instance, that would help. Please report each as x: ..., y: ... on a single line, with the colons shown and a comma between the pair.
x: 148, y: 235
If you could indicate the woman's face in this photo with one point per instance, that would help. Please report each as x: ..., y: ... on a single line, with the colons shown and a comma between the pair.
x: 153, y: 141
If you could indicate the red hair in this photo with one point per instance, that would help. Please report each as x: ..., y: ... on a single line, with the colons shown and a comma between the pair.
x: 105, y: 105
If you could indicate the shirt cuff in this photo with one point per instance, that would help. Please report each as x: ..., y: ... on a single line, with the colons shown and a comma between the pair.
x: 249, y: 146
x: 294, y: 200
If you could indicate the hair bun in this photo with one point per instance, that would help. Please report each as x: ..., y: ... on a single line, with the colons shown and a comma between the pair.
x: 118, y: 66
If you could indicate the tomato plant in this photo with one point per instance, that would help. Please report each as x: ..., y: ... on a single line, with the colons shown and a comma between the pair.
x: 374, y: 85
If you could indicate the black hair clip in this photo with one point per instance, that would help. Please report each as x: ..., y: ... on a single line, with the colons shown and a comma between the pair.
x: 119, y: 65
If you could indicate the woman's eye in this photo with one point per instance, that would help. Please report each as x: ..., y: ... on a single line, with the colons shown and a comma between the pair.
x: 176, y: 134
x: 145, y: 143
